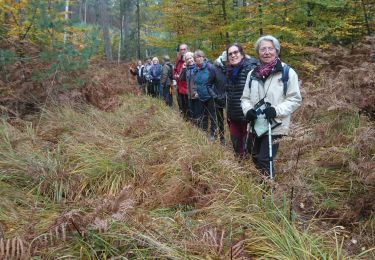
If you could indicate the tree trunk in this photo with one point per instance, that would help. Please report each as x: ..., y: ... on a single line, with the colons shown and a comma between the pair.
x: 309, y: 14
x: 120, y: 41
x: 138, y: 31
x: 225, y: 18
x: 66, y: 17
x: 85, y: 14
x: 103, y: 16
x: 260, y: 9
x: 285, y: 12
x: 126, y: 9
x: 366, y: 18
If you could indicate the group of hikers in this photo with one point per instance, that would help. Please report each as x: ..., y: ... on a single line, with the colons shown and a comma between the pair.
x: 258, y: 94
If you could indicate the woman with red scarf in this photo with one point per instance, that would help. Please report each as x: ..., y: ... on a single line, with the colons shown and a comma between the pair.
x: 264, y: 82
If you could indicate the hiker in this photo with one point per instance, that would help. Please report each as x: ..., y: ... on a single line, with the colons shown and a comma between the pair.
x: 155, y: 75
x: 146, y: 74
x: 166, y: 80
x: 200, y: 78
x: 238, y: 67
x: 266, y: 82
x: 187, y: 74
x: 139, y: 71
x: 216, y: 84
x: 182, y: 96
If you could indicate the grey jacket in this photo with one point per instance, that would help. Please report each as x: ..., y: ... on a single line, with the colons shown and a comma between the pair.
x: 166, y: 72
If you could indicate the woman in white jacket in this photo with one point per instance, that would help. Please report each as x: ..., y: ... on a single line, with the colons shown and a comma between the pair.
x: 265, y: 82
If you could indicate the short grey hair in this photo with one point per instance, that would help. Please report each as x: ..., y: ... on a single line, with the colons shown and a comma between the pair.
x: 188, y: 54
x: 199, y: 53
x: 269, y: 38
x: 166, y: 58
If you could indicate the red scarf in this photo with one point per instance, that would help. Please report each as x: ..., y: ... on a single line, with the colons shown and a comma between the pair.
x: 264, y: 70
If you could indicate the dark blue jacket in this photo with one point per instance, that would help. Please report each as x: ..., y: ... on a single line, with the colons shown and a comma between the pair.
x: 200, y: 80
x: 216, y: 83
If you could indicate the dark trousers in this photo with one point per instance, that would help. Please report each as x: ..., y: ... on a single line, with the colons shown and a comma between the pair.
x: 153, y: 89
x: 195, y: 111
x: 238, y: 134
x: 260, y: 152
x: 220, y: 122
x: 167, y: 96
x: 209, y: 114
x: 184, y: 109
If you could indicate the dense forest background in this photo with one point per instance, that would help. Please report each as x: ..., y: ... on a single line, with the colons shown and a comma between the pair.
x: 126, y: 29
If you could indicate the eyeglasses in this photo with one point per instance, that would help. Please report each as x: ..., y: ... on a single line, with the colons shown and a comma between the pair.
x: 182, y: 49
x: 233, y: 53
x: 265, y: 49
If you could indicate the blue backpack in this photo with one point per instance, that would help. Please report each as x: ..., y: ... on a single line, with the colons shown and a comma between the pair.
x: 285, y: 78
x: 155, y: 72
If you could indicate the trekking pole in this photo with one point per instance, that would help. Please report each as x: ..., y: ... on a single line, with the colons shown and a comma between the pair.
x: 270, y: 148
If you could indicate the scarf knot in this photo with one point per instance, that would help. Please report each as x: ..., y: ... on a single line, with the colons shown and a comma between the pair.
x: 264, y: 70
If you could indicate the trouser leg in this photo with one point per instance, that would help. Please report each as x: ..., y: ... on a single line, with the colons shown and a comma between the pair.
x: 261, y: 153
x: 238, y: 131
x: 212, y: 116
x: 204, y: 117
x: 220, y: 122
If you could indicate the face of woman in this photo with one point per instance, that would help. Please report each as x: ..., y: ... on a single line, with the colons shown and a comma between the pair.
x: 189, y: 60
x: 234, y: 55
x: 199, y: 60
x: 267, y: 52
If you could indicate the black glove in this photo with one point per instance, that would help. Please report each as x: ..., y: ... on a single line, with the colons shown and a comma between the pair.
x: 270, y: 112
x: 251, y: 115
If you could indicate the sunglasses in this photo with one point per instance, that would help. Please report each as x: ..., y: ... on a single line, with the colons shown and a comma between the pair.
x: 233, y: 53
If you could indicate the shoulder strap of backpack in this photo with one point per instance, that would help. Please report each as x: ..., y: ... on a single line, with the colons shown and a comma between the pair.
x: 285, y: 78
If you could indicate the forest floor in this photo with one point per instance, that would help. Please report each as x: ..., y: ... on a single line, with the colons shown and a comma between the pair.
x: 126, y: 176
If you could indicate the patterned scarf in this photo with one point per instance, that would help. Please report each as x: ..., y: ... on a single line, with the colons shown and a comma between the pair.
x: 264, y: 70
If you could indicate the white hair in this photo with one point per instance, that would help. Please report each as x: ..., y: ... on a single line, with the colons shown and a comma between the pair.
x: 269, y: 38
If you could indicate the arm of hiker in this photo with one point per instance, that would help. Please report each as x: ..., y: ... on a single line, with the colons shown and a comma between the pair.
x: 210, y: 83
x: 133, y: 71
x: 246, y: 103
x: 293, y: 97
x: 164, y: 75
x: 182, y: 76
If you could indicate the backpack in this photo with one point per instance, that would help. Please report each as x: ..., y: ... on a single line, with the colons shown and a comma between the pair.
x: 170, y: 73
x: 155, y: 72
x: 284, y: 78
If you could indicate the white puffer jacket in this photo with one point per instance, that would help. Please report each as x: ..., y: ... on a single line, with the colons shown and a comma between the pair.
x: 272, y: 90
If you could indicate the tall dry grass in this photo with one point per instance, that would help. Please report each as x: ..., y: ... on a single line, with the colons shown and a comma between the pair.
x: 141, y: 183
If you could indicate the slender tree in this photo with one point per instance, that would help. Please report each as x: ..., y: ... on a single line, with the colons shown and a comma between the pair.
x: 104, y: 21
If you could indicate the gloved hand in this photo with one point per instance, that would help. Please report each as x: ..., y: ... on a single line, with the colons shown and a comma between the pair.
x: 251, y: 115
x: 270, y: 112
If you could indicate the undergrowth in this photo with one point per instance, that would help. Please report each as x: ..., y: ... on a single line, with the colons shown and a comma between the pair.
x: 141, y: 183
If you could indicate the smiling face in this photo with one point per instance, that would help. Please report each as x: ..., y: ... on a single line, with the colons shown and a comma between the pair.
x: 267, y: 52
x: 189, y: 59
x: 234, y: 55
